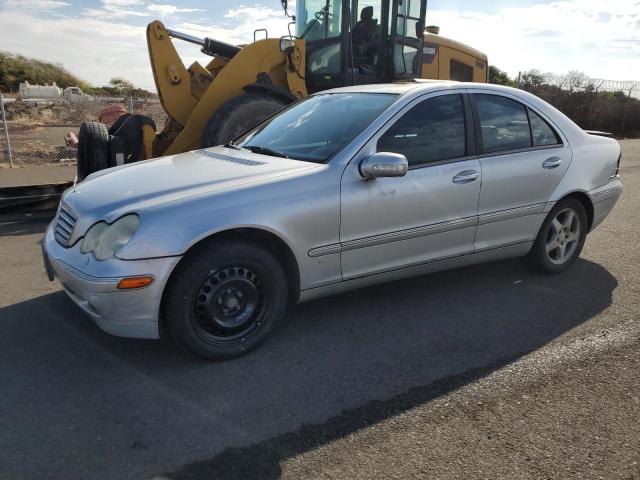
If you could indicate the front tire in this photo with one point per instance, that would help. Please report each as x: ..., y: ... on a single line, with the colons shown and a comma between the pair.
x: 225, y: 298
x: 560, y: 239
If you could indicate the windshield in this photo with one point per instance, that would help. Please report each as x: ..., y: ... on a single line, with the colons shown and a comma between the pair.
x: 317, y: 127
x: 318, y: 19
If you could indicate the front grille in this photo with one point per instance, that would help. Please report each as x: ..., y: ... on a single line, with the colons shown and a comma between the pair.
x: 65, y: 223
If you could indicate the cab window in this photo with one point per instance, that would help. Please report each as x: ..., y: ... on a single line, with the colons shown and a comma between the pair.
x: 460, y: 72
x: 432, y: 131
x: 319, y: 19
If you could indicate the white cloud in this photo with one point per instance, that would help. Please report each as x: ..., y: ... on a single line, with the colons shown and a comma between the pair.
x: 601, y: 39
x: 256, y: 12
x: 35, y: 4
x: 93, y: 49
x: 166, y: 10
x: 244, y: 21
x: 115, y: 9
x: 122, y: 3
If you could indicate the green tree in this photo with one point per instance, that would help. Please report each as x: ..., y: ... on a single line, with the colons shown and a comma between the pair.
x: 499, y: 77
x: 121, y: 84
x: 531, y: 79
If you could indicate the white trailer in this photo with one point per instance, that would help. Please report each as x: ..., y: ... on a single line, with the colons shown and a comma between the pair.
x: 45, y: 93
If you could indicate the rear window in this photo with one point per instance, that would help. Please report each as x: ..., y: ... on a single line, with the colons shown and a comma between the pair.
x: 503, y: 122
x: 541, y: 131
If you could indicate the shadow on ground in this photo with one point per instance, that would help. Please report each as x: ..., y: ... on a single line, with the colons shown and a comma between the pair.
x: 116, y: 408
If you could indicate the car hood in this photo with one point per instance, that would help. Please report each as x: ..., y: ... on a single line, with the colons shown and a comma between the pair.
x: 138, y: 186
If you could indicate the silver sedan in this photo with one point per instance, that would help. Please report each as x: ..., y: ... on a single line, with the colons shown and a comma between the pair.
x: 346, y: 188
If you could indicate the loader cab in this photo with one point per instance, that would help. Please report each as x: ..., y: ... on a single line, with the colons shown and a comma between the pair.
x: 355, y: 42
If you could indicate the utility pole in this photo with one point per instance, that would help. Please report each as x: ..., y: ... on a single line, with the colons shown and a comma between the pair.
x: 6, y: 130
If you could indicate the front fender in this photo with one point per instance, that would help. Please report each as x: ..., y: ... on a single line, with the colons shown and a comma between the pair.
x: 303, y: 212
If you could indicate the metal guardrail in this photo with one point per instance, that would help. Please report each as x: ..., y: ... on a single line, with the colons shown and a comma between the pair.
x: 31, y: 198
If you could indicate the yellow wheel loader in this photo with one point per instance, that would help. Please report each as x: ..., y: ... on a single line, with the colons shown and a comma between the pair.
x: 335, y: 43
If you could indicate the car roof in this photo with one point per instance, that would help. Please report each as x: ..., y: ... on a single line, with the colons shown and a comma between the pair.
x: 395, y: 88
x: 416, y: 86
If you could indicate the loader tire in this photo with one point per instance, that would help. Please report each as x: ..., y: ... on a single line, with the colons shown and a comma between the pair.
x: 93, y: 149
x: 238, y: 115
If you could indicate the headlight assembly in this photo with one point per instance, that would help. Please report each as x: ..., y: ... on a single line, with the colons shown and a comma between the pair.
x: 105, y: 240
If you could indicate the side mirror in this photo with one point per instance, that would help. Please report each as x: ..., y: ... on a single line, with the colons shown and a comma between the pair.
x: 384, y: 164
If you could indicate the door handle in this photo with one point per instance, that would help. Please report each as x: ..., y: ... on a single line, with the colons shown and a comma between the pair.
x: 466, y: 176
x: 551, y: 162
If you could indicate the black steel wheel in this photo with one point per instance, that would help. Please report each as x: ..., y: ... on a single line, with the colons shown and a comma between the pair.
x: 229, y: 304
x: 225, y: 298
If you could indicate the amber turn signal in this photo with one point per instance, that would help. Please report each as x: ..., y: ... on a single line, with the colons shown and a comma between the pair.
x: 135, y: 282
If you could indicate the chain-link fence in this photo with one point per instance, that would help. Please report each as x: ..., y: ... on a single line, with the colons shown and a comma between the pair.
x: 32, y: 132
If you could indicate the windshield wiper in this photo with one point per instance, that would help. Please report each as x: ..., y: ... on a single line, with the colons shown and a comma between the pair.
x: 230, y: 144
x: 266, y: 150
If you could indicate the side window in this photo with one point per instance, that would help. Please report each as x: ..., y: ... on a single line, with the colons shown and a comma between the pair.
x: 325, y: 59
x: 431, y: 131
x: 541, y: 131
x: 460, y: 72
x: 503, y: 122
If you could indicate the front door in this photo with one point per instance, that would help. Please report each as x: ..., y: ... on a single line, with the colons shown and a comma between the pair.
x: 431, y: 212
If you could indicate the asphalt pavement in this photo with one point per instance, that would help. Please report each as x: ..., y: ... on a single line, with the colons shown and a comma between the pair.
x: 490, y: 371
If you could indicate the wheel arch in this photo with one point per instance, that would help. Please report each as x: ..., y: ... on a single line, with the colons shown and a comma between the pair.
x: 586, y: 202
x: 263, y: 237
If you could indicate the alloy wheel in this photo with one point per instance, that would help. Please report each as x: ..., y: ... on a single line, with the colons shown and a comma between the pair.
x: 563, y: 236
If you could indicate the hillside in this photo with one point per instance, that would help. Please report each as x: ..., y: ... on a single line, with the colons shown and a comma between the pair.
x: 16, y: 68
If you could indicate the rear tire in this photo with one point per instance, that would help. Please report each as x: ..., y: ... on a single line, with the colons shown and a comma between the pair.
x: 560, y: 239
x: 238, y: 115
x: 225, y: 298
x: 93, y: 149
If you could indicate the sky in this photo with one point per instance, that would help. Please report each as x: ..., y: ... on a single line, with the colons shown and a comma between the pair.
x: 100, y: 39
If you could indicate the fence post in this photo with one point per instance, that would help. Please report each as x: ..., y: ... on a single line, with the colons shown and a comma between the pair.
x: 6, y: 130
x: 131, y: 104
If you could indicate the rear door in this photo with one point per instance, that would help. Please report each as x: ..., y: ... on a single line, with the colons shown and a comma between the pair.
x: 431, y: 212
x: 523, y: 158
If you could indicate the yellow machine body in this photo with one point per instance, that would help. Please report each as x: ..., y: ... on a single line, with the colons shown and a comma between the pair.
x: 190, y: 96
x: 447, y: 59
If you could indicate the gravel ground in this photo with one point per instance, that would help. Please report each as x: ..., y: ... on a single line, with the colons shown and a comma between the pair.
x: 529, y: 376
